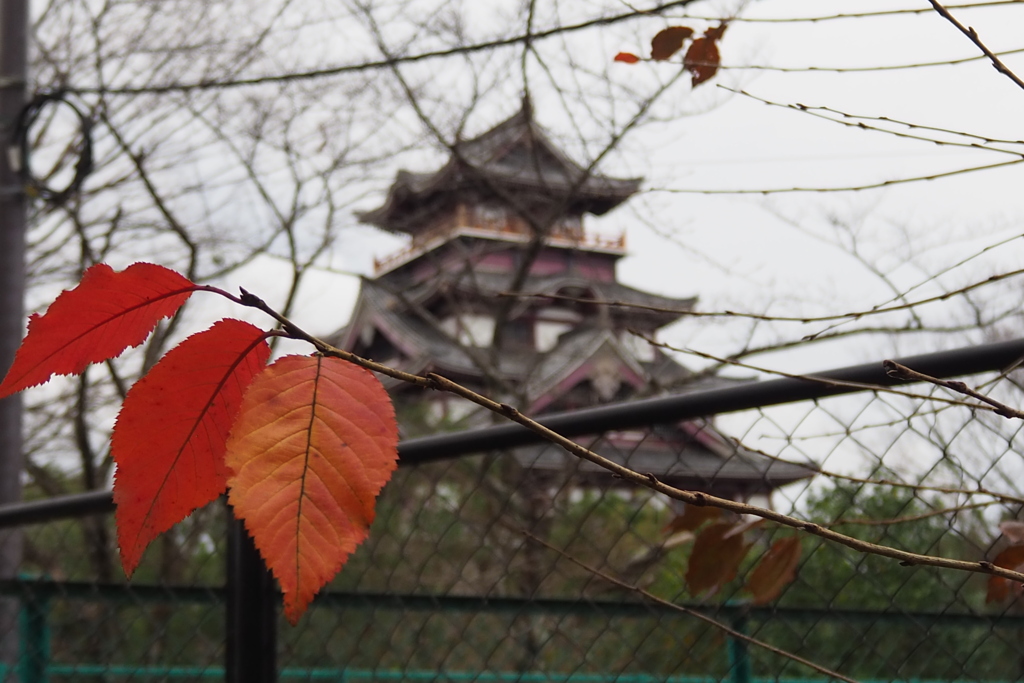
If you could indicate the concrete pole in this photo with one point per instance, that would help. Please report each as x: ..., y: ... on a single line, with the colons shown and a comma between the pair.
x: 13, y: 90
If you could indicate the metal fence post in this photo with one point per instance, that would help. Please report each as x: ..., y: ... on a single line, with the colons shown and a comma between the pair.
x: 251, y: 652
x: 739, y: 655
x: 34, y: 655
x: 14, y: 41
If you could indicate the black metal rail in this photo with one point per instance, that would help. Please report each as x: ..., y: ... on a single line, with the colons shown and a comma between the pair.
x: 249, y: 591
x: 125, y: 594
x: 944, y: 364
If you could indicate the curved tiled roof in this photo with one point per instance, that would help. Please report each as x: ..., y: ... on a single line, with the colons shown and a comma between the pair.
x: 661, y: 310
x: 516, y: 155
x: 692, y: 455
x: 675, y: 460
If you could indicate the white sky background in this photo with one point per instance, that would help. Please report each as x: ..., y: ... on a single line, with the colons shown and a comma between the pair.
x: 734, y: 251
x: 743, y: 144
x: 773, y: 254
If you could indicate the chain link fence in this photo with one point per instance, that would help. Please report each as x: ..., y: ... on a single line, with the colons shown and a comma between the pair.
x: 525, y: 564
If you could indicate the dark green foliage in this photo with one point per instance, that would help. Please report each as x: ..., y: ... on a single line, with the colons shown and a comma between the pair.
x: 468, y: 529
x: 870, y: 617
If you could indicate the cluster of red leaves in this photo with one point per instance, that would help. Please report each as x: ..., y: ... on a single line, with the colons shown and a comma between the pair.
x: 719, y: 548
x: 1012, y: 557
x: 302, y: 446
x: 702, y: 58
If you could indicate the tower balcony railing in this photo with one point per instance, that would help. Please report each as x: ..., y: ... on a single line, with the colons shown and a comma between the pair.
x: 568, y: 233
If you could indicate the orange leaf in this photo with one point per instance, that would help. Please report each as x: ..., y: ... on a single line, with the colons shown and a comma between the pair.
x: 627, y: 57
x: 105, y: 314
x: 693, y: 516
x: 702, y: 58
x: 998, y: 587
x: 314, y: 444
x: 715, y: 558
x: 170, y: 436
x: 775, y: 570
x: 669, y: 41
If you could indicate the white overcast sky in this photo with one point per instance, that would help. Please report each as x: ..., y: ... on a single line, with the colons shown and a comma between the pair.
x: 772, y: 253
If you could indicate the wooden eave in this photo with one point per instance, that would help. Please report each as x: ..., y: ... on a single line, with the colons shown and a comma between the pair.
x: 475, y: 166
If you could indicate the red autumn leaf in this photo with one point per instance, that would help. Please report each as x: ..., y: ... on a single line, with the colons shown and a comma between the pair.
x: 170, y: 436
x: 693, y: 516
x: 702, y: 58
x: 998, y: 587
x: 775, y: 570
x: 105, y: 314
x: 715, y: 558
x: 627, y: 57
x: 314, y: 444
x: 669, y: 41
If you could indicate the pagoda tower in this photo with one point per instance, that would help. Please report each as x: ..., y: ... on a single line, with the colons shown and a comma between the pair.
x: 502, y: 289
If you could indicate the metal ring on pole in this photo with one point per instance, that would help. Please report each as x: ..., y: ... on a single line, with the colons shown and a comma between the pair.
x: 20, y: 146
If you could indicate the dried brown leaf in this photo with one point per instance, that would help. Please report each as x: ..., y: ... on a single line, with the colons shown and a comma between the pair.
x: 999, y: 588
x: 715, y: 558
x: 669, y: 41
x: 716, y: 33
x: 693, y: 516
x: 1013, y: 530
x: 775, y: 571
x: 1010, y: 558
x: 743, y: 527
x: 702, y: 60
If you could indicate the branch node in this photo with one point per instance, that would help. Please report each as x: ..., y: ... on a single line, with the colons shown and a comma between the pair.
x: 249, y: 299
x: 894, y: 369
x: 508, y: 410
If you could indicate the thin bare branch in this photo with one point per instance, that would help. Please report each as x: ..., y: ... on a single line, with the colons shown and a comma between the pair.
x: 728, y: 630
x: 894, y: 369
x: 388, y: 62
x: 976, y: 39
x: 840, y: 188
x: 852, y: 315
x: 700, y: 499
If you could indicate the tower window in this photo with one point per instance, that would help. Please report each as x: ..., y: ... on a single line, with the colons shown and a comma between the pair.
x: 470, y: 329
